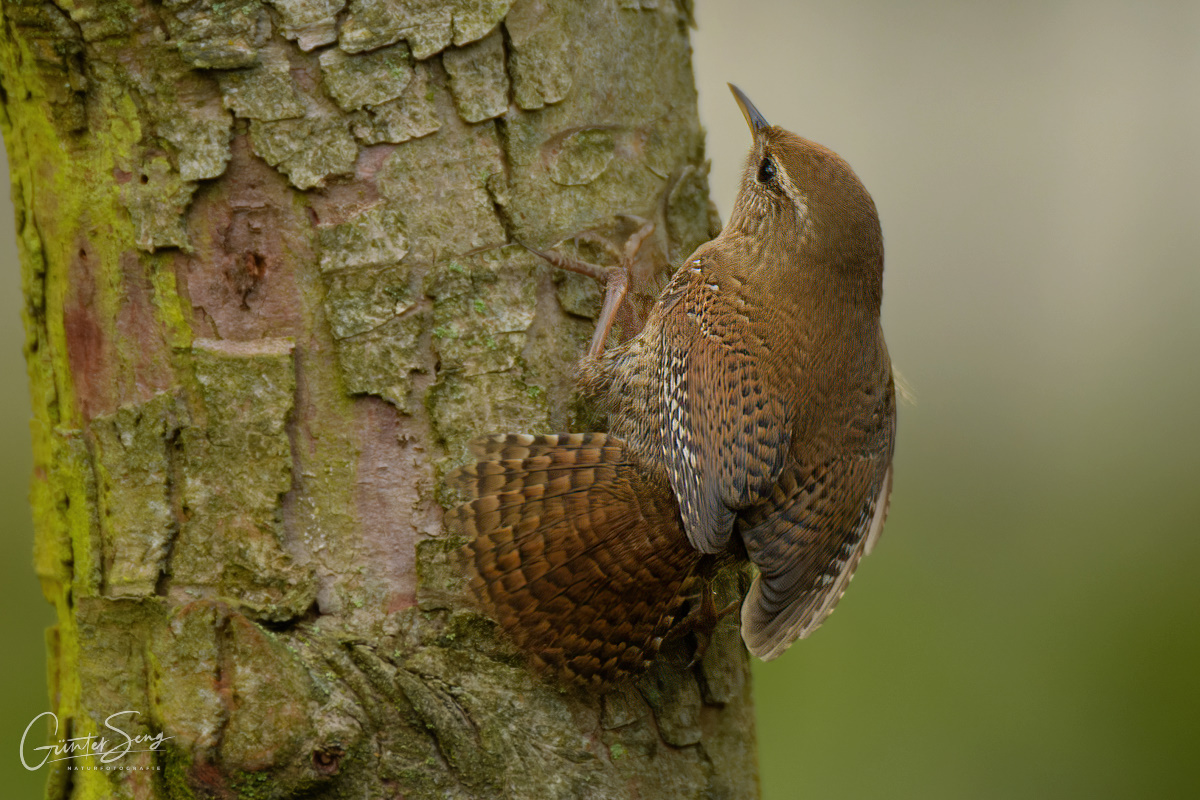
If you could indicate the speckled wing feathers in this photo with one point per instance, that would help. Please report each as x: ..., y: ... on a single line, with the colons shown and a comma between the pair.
x: 819, y: 525
x: 578, y: 557
x: 726, y: 436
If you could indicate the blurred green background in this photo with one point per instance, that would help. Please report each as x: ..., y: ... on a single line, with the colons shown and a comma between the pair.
x: 1030, y: 623
x: 24, y: 615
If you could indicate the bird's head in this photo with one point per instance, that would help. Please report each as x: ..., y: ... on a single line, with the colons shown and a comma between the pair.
x: 807, y: 210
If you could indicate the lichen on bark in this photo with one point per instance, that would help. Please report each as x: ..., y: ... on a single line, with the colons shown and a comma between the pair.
x: 273, y: 287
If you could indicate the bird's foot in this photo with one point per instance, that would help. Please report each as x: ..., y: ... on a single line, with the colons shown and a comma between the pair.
x: 702, y: 621
x: 616, y: 279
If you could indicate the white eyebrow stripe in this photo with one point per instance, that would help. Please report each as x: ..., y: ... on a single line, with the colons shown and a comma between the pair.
x: 799, y: 201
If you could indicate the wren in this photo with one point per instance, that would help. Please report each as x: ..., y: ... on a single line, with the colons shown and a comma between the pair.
x: 753, y: 417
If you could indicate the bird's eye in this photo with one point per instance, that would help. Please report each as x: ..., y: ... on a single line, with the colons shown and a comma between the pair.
x: 766, y: 171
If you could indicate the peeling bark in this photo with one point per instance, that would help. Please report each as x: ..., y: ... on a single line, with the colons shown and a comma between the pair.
x: 273, y: 286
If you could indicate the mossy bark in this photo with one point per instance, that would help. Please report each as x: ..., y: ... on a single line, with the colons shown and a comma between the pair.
x: 272, y: 288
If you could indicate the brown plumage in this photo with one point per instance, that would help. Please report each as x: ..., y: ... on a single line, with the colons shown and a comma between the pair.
x: 753, y: 416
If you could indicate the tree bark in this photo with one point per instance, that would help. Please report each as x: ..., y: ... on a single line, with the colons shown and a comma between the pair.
x: 272, y: 288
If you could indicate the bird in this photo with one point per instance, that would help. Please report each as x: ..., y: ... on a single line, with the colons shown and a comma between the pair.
x: 752, y: 418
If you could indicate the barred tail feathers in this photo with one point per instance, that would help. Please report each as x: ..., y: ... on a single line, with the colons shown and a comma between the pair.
x: 572, y: 550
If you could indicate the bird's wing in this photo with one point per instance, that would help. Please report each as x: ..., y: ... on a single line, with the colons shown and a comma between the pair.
x: 809, y: 538
x: 725, y: 436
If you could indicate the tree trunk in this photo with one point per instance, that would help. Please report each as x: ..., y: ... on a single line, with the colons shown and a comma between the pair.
x: 272, y: 289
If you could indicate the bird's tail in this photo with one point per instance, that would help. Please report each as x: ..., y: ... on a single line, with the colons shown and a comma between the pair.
x: 577, y: 553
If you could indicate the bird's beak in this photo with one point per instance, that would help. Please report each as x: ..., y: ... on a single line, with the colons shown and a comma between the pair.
x: 755, y: 120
